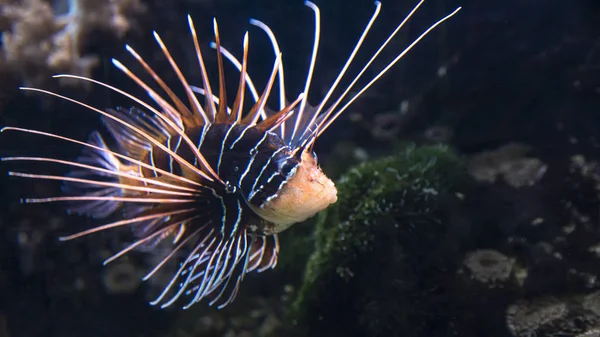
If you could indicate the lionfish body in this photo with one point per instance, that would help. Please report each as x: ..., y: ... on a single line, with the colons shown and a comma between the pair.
x: 216, y: 182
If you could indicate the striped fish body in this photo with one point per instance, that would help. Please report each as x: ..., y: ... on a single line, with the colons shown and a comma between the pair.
x: 254, y: 165
x: 223, y: 230
x: 215, y: 235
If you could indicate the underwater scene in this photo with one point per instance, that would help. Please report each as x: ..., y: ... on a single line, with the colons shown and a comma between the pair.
x: 239, y: 168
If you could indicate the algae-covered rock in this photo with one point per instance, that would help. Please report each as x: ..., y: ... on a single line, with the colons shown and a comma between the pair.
x: 381, y: 250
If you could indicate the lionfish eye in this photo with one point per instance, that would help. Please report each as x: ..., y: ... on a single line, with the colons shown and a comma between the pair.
x: 213, y: 183
x: 286, y: 165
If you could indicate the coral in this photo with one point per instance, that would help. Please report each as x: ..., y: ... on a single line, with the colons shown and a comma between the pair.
x: 121, y: 278
x: 489, y: 266
x: 439, y: 134
x: 524, y: 318
x: 375, y: 246
x: 553, y: 317
x: 39, y: 40
x: 509, y: 162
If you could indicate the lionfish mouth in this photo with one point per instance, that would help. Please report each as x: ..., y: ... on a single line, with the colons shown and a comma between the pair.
x: 212, y: 182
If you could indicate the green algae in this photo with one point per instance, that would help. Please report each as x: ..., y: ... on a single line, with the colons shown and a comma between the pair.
x: 375, y: 248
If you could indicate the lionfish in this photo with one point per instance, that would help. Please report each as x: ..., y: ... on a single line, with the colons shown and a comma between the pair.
x: 216, y: 182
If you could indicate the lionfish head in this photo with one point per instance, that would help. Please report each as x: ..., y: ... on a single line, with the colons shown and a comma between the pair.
x: 214, y: 182
x: 307, y: 192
